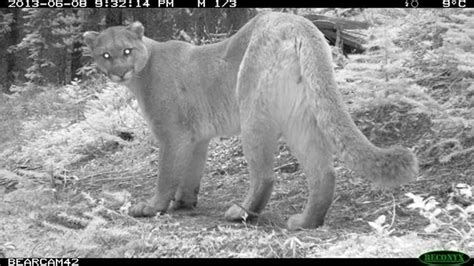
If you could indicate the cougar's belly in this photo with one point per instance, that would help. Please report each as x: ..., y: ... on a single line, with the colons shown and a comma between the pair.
x: 223, y: 119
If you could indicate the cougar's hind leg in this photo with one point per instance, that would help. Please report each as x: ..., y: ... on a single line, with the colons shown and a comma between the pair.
x: 259, y: 137
x: 187, y: 194
x: 314, y: 152
x: 259, y: 141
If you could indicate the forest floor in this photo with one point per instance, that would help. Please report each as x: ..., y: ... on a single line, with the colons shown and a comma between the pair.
x: 65, y: 189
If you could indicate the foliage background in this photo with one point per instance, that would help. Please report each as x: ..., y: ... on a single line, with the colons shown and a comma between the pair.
x: 75, y: 151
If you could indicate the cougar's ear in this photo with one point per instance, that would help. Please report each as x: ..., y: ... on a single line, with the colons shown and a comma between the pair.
x: 137, y: 28
x: 89, y: 38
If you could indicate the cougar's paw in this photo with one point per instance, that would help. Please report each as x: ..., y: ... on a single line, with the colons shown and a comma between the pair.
x: 297, y: 222
x: 182, y: 205
x: 237, y: 213
x: 142, y: 209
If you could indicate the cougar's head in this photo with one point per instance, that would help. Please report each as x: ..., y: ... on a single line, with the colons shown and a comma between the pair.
x: 118, y: 51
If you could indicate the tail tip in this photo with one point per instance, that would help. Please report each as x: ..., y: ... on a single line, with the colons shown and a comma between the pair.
x: 397, y: 165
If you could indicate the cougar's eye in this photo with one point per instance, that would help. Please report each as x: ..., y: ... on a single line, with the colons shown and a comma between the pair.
x: 106, y: 55
x: 127, y: 51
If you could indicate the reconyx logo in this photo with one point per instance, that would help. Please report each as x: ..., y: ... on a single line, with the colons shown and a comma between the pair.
x: 444, y: 257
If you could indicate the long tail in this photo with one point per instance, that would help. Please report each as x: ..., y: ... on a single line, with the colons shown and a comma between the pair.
x: 388, y: 167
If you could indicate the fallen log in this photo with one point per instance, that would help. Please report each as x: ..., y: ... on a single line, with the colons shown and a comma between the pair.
x: 341, y: 32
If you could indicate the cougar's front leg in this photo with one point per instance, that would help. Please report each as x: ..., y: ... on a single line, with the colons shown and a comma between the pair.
x: 186, y: 196
x: 175, y: 157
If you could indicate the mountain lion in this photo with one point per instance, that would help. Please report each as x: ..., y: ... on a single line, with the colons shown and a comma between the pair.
x: 273, y: 78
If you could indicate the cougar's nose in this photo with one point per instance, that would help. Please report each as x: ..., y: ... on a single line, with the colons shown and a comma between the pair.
x: 121, y: 76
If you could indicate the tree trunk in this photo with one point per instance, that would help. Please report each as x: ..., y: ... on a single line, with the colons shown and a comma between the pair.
x: 76, y: 59
x: 113, y: 17
x: 12, y: 39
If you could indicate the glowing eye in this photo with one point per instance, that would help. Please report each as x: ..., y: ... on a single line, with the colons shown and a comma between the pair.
x: 127, y: 51
x: 106, y: 55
